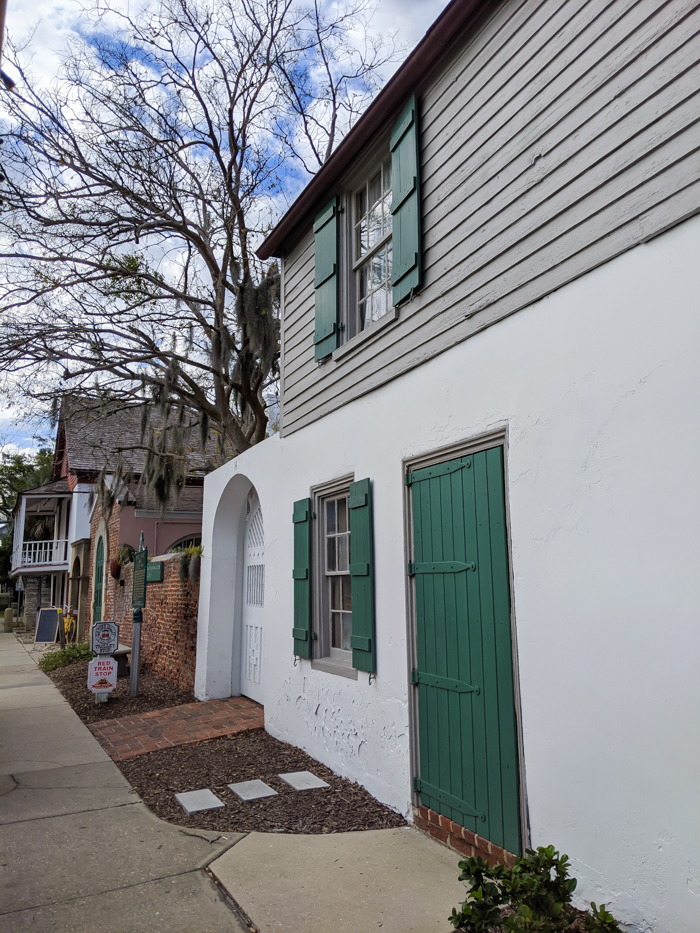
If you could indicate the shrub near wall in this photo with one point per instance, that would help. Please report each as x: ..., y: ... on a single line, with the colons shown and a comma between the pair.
x: 169, y: 629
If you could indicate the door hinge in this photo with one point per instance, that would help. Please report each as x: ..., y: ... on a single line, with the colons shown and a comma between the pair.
x: 411, y: 568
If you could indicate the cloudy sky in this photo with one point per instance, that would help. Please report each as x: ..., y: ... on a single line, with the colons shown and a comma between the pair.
x: 53, y: 21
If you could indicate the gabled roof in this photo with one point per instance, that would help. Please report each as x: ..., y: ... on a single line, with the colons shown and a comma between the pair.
x: 92, y: 437
x: 442, y: 35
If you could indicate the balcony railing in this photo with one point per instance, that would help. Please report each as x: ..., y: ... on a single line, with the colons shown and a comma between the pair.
x: 35, y: 553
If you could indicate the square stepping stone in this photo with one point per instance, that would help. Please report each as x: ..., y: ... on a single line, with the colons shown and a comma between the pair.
x: 195, y: 800
x: 303, y: 780
x: 252, y: 790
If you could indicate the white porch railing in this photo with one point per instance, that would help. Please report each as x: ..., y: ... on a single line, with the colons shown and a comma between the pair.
x: 44, y: 552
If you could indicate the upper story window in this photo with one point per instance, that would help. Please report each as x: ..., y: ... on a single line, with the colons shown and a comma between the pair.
x: 367, y: 252
x: 372, y: 250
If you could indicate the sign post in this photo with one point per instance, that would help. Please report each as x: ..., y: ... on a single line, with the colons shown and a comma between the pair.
x: 138, y: 603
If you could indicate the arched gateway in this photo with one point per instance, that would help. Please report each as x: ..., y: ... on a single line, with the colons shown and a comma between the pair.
x: 230, y: 642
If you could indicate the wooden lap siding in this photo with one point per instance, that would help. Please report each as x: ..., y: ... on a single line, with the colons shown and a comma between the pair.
x: 467, y: 740
x: 558, y: 136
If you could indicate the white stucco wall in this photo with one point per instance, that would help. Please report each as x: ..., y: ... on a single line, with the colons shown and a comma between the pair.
x: 80, y: 509
x: 598, y: 385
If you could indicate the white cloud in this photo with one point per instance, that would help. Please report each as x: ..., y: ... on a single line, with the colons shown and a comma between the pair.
x: 55, y: 20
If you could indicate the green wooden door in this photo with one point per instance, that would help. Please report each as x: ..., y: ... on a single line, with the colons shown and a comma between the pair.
x: 464, y: 675
x: 99, y: 577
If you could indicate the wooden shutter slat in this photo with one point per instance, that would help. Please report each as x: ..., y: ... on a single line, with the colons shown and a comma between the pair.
x: 362, y: 640
x: 301, y: 573
x: 326, y: 280
x: 405, y: 208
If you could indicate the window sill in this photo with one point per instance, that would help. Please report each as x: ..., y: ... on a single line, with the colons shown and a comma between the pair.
x: 334, y: 666
x: 360, y: 339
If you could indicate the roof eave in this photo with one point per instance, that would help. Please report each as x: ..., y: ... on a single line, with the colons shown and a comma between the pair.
x: 443, y: 34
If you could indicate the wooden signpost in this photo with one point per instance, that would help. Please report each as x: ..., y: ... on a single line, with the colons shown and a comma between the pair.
x: 138, y: 603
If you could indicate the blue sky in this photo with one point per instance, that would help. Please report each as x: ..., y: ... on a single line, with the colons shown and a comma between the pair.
x: 53, y: 21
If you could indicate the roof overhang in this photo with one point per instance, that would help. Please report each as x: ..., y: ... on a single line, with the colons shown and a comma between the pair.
x: 442, y: 35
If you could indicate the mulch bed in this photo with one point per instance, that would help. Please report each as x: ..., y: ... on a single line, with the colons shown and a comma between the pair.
x: 154, y: 693
x: 342, y: 807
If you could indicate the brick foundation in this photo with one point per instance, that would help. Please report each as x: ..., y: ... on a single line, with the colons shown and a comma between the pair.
x: 460, y: 838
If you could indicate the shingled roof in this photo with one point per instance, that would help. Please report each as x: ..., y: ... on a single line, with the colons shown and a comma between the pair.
x: 189, y: 500
x: 92, y: 437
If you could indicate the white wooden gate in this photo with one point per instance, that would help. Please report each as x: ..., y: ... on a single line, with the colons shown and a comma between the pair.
x: 253, y: 604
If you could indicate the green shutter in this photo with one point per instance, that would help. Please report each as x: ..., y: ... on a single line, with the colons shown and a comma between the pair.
x: 362, y: 640
x: 302, y: 578
x: 405, y: 206
x: 326, y: 280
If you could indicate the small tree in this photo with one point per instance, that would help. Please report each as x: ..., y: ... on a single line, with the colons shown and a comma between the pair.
x: 18, y: 471
x: 136, y: 188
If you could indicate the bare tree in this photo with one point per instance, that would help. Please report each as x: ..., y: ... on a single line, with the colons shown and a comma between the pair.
x: 136, y: 188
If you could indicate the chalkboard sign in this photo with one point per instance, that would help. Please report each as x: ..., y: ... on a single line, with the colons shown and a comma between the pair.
x: 138, y: 594
x: 46, y: 626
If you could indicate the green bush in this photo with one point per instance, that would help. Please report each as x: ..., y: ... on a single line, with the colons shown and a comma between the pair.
x: 68, y: 655
x: 534, y: 896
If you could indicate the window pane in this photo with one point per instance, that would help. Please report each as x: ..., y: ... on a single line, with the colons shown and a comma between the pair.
x: 378, y: 304
x: 378, y: 269
x: 343, y: 555
x: 362, y: 239
x: 347, y: 593
x: 342, y: 514
x: 360, y: 205
x: 336, y: 636
x: 364, y: 283
x: 386, y: 212
x: 375, y: 189
x: 330, y: 553
x: 346, y: 631
x: 389, y: 259
x: 375, y: 224
x: 337, y: 592
x: 362, y: 315
x: 330, y: 517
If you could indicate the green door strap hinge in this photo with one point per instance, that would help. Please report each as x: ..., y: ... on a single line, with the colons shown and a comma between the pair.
x: 440, y: 566
x: 443, y: 683
x: 422, y: 787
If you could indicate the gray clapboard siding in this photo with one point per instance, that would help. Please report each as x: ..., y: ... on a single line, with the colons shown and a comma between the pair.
x: 652, y: 94
x: 491, y: 149
x: 558, y: 136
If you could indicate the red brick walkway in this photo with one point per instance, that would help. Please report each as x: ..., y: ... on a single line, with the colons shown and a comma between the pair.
x: 178, y: 725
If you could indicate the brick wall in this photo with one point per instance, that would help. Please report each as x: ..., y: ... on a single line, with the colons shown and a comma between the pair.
x: 460, y: 838
x: 169, y: 628
x: 110, y: 583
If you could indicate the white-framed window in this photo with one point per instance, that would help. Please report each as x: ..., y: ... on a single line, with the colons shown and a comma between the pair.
x: 337, y: 583
x: 331, y: 554
x: 369, y: 249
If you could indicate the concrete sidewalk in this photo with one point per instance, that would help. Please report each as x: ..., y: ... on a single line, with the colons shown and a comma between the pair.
x: 80, y: 851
